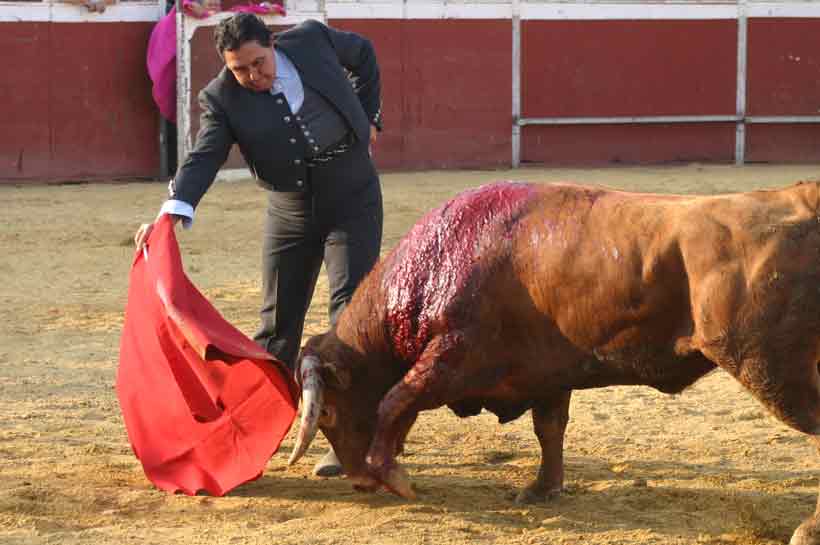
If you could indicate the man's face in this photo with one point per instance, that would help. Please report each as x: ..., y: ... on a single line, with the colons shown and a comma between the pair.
x: 253, y: 65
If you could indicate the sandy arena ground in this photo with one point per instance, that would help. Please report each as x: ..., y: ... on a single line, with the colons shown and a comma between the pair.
x: 709, y: 466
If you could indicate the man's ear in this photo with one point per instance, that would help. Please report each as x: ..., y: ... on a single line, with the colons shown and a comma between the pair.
x: 336, y: 375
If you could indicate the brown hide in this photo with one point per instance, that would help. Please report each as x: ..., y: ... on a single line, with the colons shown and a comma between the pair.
x: 528, y: 292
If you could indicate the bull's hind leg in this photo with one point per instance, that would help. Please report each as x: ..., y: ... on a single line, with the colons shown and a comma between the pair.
x: 549, y: 420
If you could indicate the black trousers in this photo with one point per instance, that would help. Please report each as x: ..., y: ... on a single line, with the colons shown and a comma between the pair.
x: 338, y: 221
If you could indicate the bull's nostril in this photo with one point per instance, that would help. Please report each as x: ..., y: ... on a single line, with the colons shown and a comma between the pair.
x: 328, y: 417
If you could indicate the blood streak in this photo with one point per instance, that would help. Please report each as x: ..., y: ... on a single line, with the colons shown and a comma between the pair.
x: 431, y: 266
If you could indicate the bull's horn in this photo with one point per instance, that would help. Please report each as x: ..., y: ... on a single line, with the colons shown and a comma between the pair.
x: 312, y: 402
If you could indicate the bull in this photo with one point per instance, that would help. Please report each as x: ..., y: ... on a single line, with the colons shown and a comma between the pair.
x: 510, y: 296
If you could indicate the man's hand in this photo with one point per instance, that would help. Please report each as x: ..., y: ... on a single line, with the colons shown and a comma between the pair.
x: 201, y: 8
x: 94, y: 6
x: 145, y: 229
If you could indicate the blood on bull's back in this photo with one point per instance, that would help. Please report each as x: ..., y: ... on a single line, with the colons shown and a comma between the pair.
x: 434, y: 264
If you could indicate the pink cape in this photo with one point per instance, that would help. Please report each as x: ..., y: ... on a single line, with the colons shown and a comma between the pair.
x: 161, y: 60
x: 204, y: 406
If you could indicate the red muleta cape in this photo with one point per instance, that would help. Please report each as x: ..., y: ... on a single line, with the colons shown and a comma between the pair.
x: 204, y: 406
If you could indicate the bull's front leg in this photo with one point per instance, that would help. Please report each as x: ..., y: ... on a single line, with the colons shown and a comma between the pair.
x: 549, y: 420
x: 402, y: 434
x: 430, y: 383
x: 808, y: 533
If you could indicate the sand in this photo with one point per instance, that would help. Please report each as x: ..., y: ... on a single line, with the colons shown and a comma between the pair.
x: 709, y: 466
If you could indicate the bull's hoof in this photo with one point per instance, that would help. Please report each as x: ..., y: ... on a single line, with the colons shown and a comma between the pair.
x: 395, y: 479
x: 807, y: 533
x: 536, y: 494
x: 365, y: 484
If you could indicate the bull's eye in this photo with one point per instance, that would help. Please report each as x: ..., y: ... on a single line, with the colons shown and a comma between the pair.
x: 328, y: 417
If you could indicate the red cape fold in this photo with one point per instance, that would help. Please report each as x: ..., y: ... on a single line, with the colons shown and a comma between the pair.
x: 204, y: 406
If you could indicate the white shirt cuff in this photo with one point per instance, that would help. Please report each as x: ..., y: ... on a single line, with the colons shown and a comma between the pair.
x: 179, y: 208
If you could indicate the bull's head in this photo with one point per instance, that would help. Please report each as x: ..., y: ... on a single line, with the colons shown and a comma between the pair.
x: 340, y: 396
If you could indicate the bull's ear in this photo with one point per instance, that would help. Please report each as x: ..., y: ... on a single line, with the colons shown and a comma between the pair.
x: 336, y: 375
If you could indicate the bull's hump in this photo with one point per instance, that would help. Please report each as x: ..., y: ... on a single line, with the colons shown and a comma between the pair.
x: 428, y: 271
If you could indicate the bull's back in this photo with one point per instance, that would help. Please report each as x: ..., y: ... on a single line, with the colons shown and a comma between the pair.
x: 593, y: 261
x: 564, y: 270
x: 511, y: 258
x: 640, y: 279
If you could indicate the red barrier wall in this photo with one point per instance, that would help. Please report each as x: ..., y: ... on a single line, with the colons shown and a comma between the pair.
x: 784, y: 79
x: 628, y: 68
x: 628, y: 144
x: 25, y: 141
x: 446, y: 91
x: 76, y: 102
